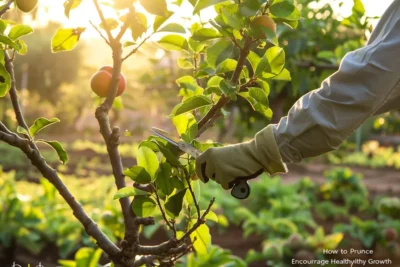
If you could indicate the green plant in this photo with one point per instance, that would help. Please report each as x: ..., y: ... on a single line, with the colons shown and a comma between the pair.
x: 369, y: 232
x: 285, y: 213
x: 390, y: 207
x: 328, y: 210
x: 341, y: 182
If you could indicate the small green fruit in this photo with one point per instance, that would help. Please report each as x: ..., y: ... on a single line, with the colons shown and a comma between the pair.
x: 26, y: 5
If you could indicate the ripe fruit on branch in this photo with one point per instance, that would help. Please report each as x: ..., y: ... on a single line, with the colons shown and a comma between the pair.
x: 261, y: 25
x: 26, y: 5
x: 101, y: 80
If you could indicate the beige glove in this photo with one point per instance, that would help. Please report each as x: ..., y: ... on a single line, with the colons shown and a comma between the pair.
x: 227, y: 165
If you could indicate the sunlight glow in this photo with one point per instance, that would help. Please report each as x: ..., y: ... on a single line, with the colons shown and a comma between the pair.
x: 51, y: 10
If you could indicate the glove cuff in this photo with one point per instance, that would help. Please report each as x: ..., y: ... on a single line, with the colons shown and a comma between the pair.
x: 268, y: 152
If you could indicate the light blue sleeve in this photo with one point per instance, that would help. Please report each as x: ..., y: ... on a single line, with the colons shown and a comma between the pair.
x: 366, y: 83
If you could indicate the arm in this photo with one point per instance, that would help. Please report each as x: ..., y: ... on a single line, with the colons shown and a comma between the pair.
x: 366, y: 83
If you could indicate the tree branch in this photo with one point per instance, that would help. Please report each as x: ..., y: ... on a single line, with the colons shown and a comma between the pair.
x: 136, y: 48
x: 159, y: 249
x: 99, y: 32
x: 111, y: 138
x: 214, y: 111
x: 199, y: 222
x: 5, y: 8
x: 13, y: 93
x: 126, y: 25
x: 38, y: 161
x: 103, y: 21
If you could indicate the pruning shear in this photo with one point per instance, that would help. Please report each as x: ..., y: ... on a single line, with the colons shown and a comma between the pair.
x: 240, y: 189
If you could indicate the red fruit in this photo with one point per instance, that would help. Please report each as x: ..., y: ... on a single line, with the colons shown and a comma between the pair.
x: 122, y: 79
x: 100, y: 83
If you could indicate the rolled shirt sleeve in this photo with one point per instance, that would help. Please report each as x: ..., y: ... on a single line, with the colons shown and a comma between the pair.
x: 366, y: 83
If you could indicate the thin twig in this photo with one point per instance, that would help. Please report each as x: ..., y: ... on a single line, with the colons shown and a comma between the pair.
x: 199, y: 222
x: 192, y: 193
x: 5, y: 8
x: 162, y: 211
x: 100, y: 33
x: 13, y: 93
x: 103, y: 21
x: 136, y: 48
x: 125, y: 26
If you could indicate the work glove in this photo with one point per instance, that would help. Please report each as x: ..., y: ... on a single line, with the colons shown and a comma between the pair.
x: 230, y: 164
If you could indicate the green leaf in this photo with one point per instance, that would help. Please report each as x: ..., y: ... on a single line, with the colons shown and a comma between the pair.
x: 227, y: 87
x: 254, y: 60
x: 70, y: 4
x: 111, y: 24
x: 259, y: 95
x: 65, y: 39
x: 83, y: 256
x: 201, y: 4
x: 129, y: 192
x: 168, y: 154
x: 22, y: 130
x: 175, y: 202
x: 186, y: 126
x: 185, y: 63
x: 164, y: 180
x: 147, y: 159
x: 144, y: 206
x: 249, y: 8
x: 23, y: 48
x: 173, y: 27
x: 138, y: 174
x: 19, y: 30
x: 210, y: 216
x: 159, y: 20
x: 190, y: 104
x: 219, y: 52
x: 195, y: 46
x: 138, y: 24
x: 3, y: 25
x: 62, y: 154
x: 283, y: 76
x: 155, y: 7
x: 359, y: 7
x: 173, y: 42
x: 7, y: 41
x: 205, y: 34
x: 232, y: 17
x: 227, y: 65
x: 201, y: 238
x: 40, y: 124
x: 284, y: 9
x: 5, y: 81
x: 271, y: 63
